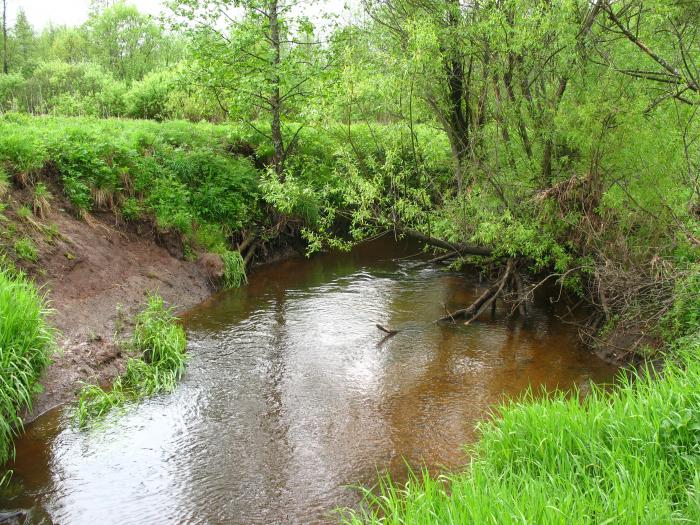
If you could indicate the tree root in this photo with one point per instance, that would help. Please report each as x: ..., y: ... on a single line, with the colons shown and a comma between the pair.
x: 248, y: 257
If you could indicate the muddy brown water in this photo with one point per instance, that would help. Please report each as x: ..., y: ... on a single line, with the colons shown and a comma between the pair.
x: 291, y: 399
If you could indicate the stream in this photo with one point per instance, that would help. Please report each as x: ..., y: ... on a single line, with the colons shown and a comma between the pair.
x: 293, y: 398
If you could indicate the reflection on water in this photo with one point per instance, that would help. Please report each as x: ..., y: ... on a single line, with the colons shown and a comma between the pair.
x: 292, y: 396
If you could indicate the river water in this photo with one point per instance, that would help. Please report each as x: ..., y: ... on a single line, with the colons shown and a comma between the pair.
x: 292, y: 399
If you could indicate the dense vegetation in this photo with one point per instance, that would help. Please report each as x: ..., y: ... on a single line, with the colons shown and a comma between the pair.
x: 26, y: 342
x: 540, y: 140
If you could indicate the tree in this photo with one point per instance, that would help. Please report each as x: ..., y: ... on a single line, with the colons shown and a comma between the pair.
x: 23, y: 44
x: 123, y: 40
x: 260, y: 63
x: 70, y: 45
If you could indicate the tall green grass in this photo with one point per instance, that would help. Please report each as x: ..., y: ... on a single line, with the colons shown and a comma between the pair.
x: 26, y: 342
x: 234, y: 269
x: 627, y: 457
x: 160, y: 344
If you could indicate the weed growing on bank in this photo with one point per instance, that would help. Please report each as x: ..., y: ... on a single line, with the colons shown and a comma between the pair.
x: 630, y: 456
x: 26, y: 342
x: 234, y: 269
x: 160, y: 344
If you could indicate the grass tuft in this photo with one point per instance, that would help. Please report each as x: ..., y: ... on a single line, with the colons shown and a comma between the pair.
x: 160, y: 343
x: 26, y: 249
x: 234, y: 269
x: 26, y: 342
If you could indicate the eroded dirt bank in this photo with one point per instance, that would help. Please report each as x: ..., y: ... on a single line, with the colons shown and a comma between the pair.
x: 97, y: 277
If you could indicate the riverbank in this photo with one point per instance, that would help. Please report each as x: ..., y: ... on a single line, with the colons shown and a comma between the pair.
x: 97, y: 277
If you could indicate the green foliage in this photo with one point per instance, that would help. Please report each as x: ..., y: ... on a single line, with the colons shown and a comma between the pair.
x: 132, y: 209
x: 683, y: 320
x: 5, y: 183
x: 170, y: 201
x: 177, y: 172
x: 26, y: 342
x: 148, y: 98
x: 11, y: 92
x: 210, y: 237
x: 126, y: 41
x: 160, y: 343
x: 234, y: 269
x: 26, y: 249
x: 22, y: 153
x: 292, y: 197
x: 74, y: 89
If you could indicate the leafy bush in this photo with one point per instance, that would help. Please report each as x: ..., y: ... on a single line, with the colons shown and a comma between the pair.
x: 26, y: 342
x: 683, y: 320
x: 148, y: 98
x: 74, y: 89
x: 170, y: 200
x: 11, y: 91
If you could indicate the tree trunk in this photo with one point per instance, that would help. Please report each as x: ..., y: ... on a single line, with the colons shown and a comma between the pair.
x: 276, y: 98
x: 4, y: 37
x: 563, y: 82
x: 460, y: 248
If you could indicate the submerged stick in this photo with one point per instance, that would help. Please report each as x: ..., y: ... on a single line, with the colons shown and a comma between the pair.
x: 485, y: 300
x: 387, y: 330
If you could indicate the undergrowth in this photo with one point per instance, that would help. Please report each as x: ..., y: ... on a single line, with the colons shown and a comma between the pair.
x: 630, y: 456
x: 26, y: 342
x: 160, y: 343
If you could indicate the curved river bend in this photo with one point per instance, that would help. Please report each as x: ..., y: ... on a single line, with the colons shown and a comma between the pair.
x: 291, y: 398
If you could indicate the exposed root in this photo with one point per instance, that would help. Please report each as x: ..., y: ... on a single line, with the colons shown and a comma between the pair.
x: 248, y: 258
x: 521, y: 299
x: 95, y: 224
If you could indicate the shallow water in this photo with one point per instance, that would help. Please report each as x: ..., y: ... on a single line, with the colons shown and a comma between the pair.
x: 292, y: 398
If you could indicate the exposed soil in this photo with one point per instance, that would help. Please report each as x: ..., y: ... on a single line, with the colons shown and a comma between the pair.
x: 97, y: 277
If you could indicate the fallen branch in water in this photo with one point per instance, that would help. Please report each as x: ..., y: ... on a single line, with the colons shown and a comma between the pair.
x: 460, y: 248
x: 387, y: 330
x: 485, y: 300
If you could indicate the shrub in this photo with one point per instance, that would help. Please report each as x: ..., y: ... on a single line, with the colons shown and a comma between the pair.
x: 11, y: 90
x: 26, y: 342
x: 148, y: 98
x: 132, y: 209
